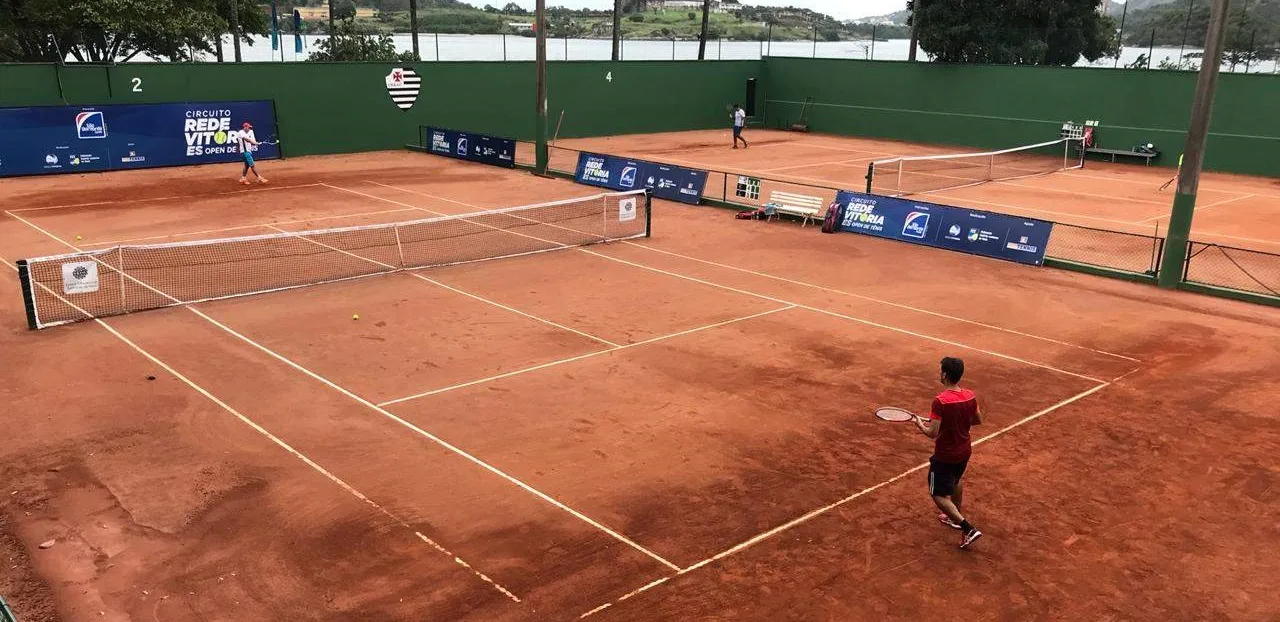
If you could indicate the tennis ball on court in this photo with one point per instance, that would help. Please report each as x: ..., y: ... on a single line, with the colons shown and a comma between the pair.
x: 79, y: 238
x: 355, y: 316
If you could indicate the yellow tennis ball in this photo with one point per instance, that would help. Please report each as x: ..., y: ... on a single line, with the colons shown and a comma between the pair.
x: 355, y: 316
x: 79, y: 238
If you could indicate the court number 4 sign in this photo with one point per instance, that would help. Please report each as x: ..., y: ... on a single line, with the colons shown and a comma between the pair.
x: 608, y: 77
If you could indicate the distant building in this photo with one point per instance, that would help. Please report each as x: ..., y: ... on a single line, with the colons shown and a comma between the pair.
x: 321, y: 13
x: 520, y: 26
x: 717, y: 6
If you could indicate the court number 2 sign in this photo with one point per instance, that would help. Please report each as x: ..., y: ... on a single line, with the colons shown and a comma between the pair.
x: 137, y: 84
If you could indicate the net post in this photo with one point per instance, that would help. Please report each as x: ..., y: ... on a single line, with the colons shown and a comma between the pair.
x: 901, y: 165
x: 648, y: 213
x: 28, y: 294
x: 399, y: 246
x: 124, y: 304
x: 871, y: 174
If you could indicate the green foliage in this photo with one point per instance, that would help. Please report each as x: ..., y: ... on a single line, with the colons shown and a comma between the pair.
x: 636, y: 17
x: 1018, y: 32
x: 1253, y: 28
x: 118, y: 30
x: 514, y: 9
x: 347, y: 43
x: 692, y: 16
x: 344, y: 9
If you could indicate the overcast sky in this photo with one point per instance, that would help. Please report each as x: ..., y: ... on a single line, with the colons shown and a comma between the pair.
x: 842, y: 9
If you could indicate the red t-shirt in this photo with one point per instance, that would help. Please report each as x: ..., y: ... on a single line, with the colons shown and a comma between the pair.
x: 956, y: 409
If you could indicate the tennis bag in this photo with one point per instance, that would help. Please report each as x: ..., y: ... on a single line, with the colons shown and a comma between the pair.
x: 835, y: 214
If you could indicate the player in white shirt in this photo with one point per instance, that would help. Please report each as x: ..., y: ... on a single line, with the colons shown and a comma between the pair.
x: 739, y: 121
x: 246, y: 142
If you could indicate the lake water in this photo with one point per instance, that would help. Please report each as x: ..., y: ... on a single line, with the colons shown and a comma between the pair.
x: 497, y: 48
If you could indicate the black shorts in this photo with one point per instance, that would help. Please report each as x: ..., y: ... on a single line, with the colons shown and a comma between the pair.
x: 944, y: 476
x: 737, y: 130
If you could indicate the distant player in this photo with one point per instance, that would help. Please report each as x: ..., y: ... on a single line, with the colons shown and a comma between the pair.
x: 954, y: 411
x: 247, y: 142
x: 739, y: 122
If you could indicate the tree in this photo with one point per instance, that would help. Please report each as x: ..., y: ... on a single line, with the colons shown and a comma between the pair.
x: 344, y: 9
x: 1019, y: 32
x: 118, y: 30
x: 347, y: 43
x: 513, y: 8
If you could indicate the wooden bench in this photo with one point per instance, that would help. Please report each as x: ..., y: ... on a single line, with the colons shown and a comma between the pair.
x: 804, y: 207
x: 1121, y: 153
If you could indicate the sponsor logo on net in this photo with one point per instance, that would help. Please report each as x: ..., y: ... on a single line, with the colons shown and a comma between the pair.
x: 861, y: 214
x: 1022, y: 245
x: 917, y: 225
x: 595, y: 171
x: 91, y: 125
x: 208, y: 132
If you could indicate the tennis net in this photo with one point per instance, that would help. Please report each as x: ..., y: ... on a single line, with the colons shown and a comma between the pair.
x: 123, y: 279
x: 917, y: 174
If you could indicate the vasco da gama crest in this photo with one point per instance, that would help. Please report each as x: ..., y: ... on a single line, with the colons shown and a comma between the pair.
x: 403, y: 86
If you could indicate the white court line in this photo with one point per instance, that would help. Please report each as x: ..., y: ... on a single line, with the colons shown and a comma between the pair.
x: 1196, y: 235
x: 1201, y: 208
x: 241, y: 227
x: 846, y: 317
x: 580, y: 357
x: 279, y: 442
x: 880, y: 301
x: 818, y: 512
x: 1080, y: 194
x: 301, y: 236
x: 407, y: 424
x: 1032, y: 209
x: 173, y: 198
x: 830, y: 163
x: 1151, y: 184
x: 787, y: 302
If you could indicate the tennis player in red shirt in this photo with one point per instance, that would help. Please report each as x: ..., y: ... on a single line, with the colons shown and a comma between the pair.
x: 954, y: 411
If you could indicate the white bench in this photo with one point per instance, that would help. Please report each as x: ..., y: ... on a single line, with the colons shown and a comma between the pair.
x: 804, y: 207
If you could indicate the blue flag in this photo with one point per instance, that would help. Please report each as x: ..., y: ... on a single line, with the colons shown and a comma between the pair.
x: 297, y: 31
x: 275, y: 27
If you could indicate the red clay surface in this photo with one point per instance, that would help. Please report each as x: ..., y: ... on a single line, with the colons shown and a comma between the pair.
x: 683, y: 421
x: 1232, y: 210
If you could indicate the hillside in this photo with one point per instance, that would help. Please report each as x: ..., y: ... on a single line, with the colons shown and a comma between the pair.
x: 1260, y: 23
x: 1117, y: 8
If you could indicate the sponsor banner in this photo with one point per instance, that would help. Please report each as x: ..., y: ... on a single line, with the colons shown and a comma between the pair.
x: 666, y: 182
x: 474, y: 147
x: 1012, y: 238
x: 79, y: 277
x: 69, y: 139
x: 83, y: 138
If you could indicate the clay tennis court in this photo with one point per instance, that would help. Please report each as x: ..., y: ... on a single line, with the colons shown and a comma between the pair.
x: 670, y: 428
x: 1232, y: 210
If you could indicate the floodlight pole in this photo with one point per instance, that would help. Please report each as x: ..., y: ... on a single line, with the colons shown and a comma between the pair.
x: 540, y: 132
x: 1184, y: 203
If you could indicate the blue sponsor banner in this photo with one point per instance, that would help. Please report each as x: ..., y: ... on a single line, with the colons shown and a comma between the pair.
x: 666, y: 182
x: 1013, y: 238
x: 69, y: 139
x: 474, y: 147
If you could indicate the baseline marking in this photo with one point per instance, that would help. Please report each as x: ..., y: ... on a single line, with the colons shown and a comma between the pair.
x: 814, y: 513
x: 278, y: 441
x: 378, y: 409
x: 173, y: 198
x: 238, y: 228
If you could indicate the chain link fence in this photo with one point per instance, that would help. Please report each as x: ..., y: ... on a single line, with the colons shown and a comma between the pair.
x: 1114, y: 250
x: 1233, y: 268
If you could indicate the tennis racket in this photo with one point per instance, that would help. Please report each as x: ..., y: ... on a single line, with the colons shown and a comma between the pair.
x: 1168, y: 183
x: 896, y: 415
